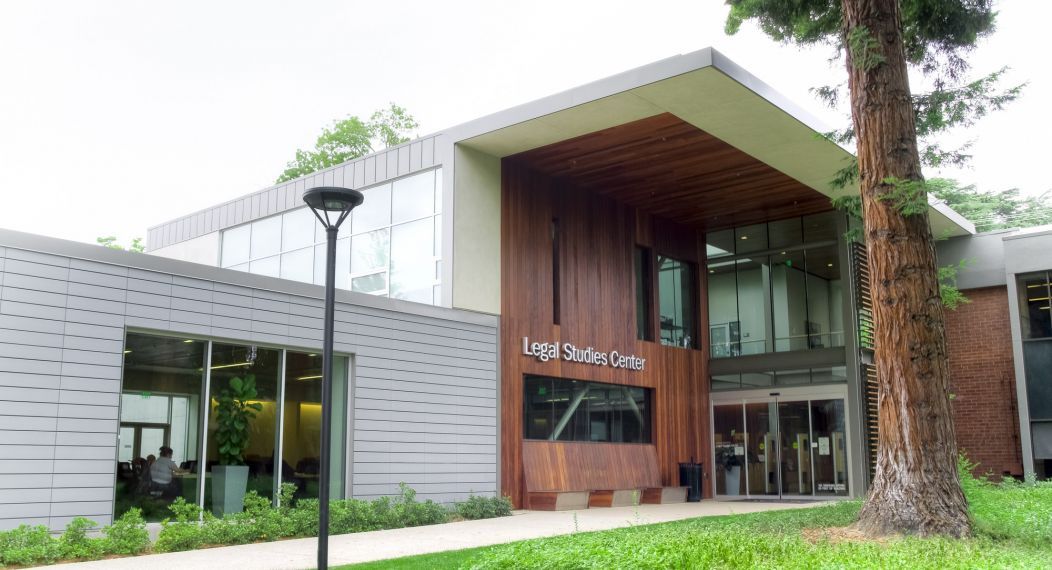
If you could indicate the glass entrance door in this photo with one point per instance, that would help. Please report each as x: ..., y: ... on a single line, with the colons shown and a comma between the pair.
x: 776, y: 448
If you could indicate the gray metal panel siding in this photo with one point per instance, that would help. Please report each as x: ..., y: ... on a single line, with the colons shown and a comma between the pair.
x: 375, y: 168
x: 424, y: 393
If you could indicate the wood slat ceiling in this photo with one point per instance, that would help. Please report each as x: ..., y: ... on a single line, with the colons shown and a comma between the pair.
x: 674, y: 170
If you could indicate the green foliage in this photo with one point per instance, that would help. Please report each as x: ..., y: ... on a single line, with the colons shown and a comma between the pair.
x: 351, y: 138
x: 29, y: 545
x: 1013, y: 526
x: 128, y: 535
x: 948, y: 291
x: 111, y: 242
x: 76, y: 544
x: 865, y: 50
x: 477, y: 507
x: 234, y: 411
x: 909, y: 197
x: 993, y: 210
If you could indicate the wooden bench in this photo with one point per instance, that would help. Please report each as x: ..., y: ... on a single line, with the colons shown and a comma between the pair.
x: 563, y: 475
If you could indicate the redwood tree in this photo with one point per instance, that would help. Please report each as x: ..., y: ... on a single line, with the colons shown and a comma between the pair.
x: 915, y: 489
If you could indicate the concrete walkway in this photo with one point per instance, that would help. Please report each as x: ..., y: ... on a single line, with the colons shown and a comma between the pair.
x: 384, y: 544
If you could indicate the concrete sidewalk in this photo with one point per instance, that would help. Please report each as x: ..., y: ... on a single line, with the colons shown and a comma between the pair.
x: 384, y: 544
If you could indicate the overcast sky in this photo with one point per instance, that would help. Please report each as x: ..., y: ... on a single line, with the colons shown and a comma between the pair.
x: 115, y: 116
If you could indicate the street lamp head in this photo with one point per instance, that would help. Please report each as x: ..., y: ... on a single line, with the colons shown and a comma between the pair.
x: 332, y: 204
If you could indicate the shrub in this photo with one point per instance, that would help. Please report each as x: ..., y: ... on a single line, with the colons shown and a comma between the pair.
x: 29, y: 545
x: 75, y: 542
x: 183, y: 532
x: 127, y: 535
x: 477, y: 507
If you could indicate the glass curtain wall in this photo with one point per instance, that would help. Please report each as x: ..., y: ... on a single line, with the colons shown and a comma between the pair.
x: 261, y: 366
x: 301, y: 436
x: 775, y: 287
x: 1035, y: 306
x: 164, y: 385
x: 390, y: 246
x: 160, y: 407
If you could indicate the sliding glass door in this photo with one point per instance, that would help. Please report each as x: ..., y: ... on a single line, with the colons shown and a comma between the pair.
x: 780, y: 447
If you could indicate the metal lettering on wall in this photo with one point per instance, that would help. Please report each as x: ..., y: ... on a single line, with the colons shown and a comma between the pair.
x: 545, y: 351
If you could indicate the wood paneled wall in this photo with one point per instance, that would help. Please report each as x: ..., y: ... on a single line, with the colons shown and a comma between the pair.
x: 597, y: 298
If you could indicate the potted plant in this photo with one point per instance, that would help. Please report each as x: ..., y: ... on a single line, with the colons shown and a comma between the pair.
x: 731, y: 464
x: 234, y: 411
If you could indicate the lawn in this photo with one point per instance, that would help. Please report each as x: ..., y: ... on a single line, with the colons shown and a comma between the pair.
x: 1013, y: 529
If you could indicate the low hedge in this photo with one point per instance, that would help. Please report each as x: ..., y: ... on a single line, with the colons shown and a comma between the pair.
x: 190, y: 528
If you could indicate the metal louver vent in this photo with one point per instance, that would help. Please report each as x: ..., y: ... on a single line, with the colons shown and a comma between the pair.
x: 863, y: 295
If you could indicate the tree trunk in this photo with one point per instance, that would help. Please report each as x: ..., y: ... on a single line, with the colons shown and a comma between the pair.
x: 915, y: 489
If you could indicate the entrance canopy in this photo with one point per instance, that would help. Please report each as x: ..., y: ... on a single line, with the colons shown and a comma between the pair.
x: 694, y: 138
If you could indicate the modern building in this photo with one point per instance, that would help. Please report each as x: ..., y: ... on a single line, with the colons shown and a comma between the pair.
x: 577, y: 292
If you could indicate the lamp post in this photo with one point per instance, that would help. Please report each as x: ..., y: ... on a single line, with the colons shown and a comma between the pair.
x: 331, y: 205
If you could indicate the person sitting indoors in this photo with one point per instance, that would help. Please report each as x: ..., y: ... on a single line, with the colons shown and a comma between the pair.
x: 163, y: 471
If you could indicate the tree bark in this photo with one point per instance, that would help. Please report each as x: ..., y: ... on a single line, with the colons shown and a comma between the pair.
x: 915, y: 489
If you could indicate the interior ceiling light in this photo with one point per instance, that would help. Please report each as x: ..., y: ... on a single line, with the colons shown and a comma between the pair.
x: 188, y: 341
x: 745, y: 237
x: 309, y: 377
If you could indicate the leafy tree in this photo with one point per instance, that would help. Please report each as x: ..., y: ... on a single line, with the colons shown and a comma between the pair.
x: 351, y: 138
x: 111, y: 242
x: 915, y: 488
x: 993, y: 210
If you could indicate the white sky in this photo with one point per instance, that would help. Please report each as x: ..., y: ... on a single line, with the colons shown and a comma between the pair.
x: 115, y: 116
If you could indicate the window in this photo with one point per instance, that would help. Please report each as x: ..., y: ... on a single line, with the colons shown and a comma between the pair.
x: 572, y: 410
x: 168, y: 398
x: 676, y: 295
x: 390, y: 245
x: 748, y: 380
x: 775, y: 287
x: 1035, y: 307
x: 644, y: 294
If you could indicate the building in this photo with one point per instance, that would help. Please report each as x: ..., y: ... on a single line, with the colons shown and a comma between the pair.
x: 632, y: 274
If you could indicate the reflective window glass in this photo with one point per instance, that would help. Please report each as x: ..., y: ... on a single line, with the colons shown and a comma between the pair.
x: 1035, y: 305
x: 785, y: 233
x: 161, y: 406
x: 726, y: 381
x: 412, y: 269
x: 792, y: 377
x: 752, y: 305
x: 297, y: 229
x: 820, y: 227
x: 373, y: 284
x: 750, y: 238
x: 825, y: 297
x: 298, y: 265
x: 269, y: 266
x: 754, y: 379
x: 266, y: 237
x: 343, y: 263
x: 301, y: 437
x: 676, y: 296
x: 375, y: 211
x: 571, y: 410
x: 724, y: 326
x: 413, y: 197
x: 789, y: 301
x: 836, y: 374
x: 236, y: 368
x: 719, y: 244
x: 370, y: 251
x: 236, y: 245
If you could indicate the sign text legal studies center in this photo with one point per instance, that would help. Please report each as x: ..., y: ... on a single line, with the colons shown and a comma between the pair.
x: 545, y: 351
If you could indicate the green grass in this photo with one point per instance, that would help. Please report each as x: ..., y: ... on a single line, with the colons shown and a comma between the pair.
x: 1012, y: 528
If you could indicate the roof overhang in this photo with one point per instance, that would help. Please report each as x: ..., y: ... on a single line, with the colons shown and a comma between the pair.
x: 704, y: 89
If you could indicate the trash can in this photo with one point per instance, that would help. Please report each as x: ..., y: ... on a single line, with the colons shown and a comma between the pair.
x: 690, y: 477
